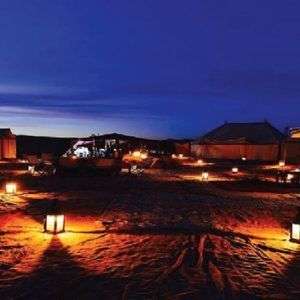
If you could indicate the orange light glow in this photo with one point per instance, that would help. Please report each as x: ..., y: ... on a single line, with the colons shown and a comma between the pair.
x: 11, y: 188
x: 281, y: 163
x: 136, y: 154
x: 200, y: 161
x: 144, y: 155
x: 180, y: 156
x: 29, y: 237
x: 54, y: 223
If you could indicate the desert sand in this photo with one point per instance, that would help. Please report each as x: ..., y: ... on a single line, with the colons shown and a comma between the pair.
x: 163, y: 235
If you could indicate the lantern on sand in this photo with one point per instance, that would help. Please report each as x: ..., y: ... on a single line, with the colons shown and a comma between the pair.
x: 11, y: 188
x: 281, y: 164
x: 54, y: 220
x: 31, y: 169
x: 235, y: 170
x: 54, y: 223
x: 204, y: 176
x: 289, y: 178
x: 136, y: 154
x: 295, y: 229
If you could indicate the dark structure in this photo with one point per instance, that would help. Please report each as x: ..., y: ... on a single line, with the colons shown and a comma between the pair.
x: 292, y: 146
x: 253, y: 141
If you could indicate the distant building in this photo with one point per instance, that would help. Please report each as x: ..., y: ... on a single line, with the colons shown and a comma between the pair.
x: 252, y: 141
x: 292, y: 146
x: 8, y: 147
x: 183, y: 147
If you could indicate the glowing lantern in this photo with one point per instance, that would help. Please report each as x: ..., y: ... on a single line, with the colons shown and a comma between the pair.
x: 200, y: 161
x: 281, y: 163
x: 204, y: 176
x: 297, y: 170
x: 289, y: 178
x: 180, y: 156
x: 295, y: 229
x: 295, y: 232
x: 31, y: 169
x: 244, y: 158
x: 174, y: 156
x: 235, y: 170
x: 54, y: 224
x: 11, y: 188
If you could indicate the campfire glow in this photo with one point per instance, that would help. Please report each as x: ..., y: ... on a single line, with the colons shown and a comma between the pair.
x: 54, y: 224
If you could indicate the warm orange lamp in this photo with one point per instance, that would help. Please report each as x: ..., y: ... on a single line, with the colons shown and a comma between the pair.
x: 11, y: 188
x: 54, y: 223
x: 204, y: 176
x: 235, y: 170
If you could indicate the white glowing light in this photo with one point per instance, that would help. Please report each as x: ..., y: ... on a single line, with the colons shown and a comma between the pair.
x: 204, y: 176
x: 235, y: 170
x: 11, y: 188
x: 295, y: 234
x: 54, y: 223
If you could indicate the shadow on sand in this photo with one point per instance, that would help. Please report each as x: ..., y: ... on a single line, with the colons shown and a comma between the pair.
x: 58, y: 276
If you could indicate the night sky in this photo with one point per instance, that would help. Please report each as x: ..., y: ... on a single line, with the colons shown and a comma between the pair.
x: 157, y: 68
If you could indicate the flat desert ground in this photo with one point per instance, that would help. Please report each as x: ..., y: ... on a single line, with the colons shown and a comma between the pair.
x: 163, y: 235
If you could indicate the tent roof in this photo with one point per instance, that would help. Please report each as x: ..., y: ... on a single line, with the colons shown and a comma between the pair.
x: 243, y: 133
x: 5, y: 132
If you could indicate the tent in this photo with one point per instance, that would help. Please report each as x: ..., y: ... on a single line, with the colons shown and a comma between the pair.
x: 254, y: 141
x: 8, y: 149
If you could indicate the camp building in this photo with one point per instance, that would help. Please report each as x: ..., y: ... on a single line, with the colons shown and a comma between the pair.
x: 252, y: 141
x: 8, y: 148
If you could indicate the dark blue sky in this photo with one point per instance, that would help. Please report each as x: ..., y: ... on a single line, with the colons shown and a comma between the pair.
x: 157, y: 68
